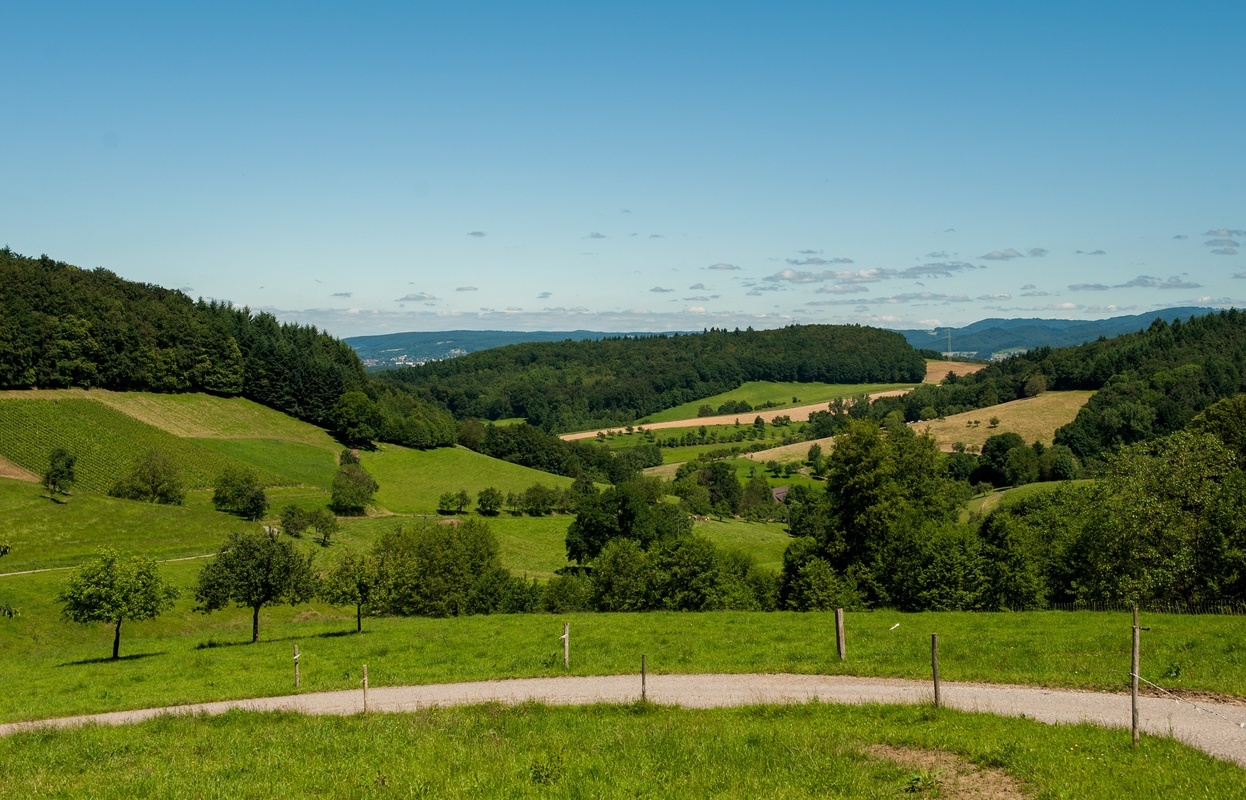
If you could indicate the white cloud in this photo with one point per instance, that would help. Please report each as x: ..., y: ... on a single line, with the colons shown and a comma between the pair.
x: 1148, y: 282
x: 660, y: 289
x: 1001, y: 255
x: 416, y: 297
x: 467, y: 289
x: 477, y: 234
x: 723, y: 266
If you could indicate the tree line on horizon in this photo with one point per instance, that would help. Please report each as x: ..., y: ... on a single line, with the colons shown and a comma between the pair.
x: 575, y: 385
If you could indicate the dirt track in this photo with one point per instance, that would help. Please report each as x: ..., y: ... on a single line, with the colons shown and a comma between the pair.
x: 1218, y: 729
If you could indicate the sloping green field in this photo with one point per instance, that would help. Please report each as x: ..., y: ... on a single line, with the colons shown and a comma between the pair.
x: 784, y: 394
x: 105, y: 441
x: 46, y: 534
x: 412, y: 480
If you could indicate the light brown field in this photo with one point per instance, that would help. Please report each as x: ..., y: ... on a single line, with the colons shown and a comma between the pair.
x: 10, y: 470
x: 936, y: 371
x: 791, y: 452
x: 1034, y: 419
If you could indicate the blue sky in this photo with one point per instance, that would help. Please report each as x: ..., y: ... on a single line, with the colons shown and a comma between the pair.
x: 378, y: 167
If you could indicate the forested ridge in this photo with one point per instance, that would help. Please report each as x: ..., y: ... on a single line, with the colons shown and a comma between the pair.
x: 1150, y: 383
x: 570, y: 385
x: 62, y: 326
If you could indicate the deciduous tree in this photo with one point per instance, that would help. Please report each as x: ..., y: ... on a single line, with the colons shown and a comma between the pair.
x: 238, y: 491
x: 253, y: 570
x: 154, y: 478
x: 352, y: 490
x: 60, y: 472
x: 352, y: 581
x: 111, y: 588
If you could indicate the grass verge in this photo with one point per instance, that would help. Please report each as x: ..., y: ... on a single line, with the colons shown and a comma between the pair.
x: 601, y: 751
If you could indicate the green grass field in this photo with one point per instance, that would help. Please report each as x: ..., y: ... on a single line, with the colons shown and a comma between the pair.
x: 412, y: 480
x: 185, y: 657
x: 105, y: 441
x: 781, y: 393
x: 985, y: 504
x: 606, y: 751
x: 46, y: 534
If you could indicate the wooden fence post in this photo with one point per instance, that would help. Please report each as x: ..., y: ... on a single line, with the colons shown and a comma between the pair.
x: 839, y: 633
x: 566, y: 645
x: 296, y: 666
x: 365, y: 688
x: 934, y: 665
x: 1133, y: 676
x: 642, y: 676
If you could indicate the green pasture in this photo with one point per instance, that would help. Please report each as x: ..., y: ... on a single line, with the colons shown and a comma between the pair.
x: 185, y: 657
x: 604, y: 751
x: 106, y: 442
x: 781, y: 393
x: 45, y: 534
x: 763, y: 541
x: 296, y: 463
x: 412, y: 480
x: 1001, y: 498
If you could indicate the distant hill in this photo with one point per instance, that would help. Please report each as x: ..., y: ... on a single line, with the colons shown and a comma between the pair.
x: 996, y: 338
x: 984, y: 339
x: 579, y: 385
x: 388, y: 350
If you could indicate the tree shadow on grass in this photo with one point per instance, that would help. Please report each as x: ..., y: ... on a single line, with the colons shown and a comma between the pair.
x: 212, y: 644
x: 110, y: 659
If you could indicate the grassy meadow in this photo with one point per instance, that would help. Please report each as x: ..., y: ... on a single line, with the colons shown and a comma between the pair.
x: 784, y: 394
x: 412, y: 480
x: 106, y: 442
x: 184, y: 657
x: 608, y: 751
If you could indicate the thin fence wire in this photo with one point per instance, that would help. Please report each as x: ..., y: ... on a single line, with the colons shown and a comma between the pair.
x: 1193, y: 703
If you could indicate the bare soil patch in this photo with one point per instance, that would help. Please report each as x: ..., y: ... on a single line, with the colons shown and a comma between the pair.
x: 951, y: 775
x: 10, y: 470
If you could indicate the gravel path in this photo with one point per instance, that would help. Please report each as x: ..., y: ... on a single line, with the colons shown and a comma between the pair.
x: 1218, y: 729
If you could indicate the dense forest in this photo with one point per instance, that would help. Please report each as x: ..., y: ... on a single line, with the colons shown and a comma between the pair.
x: 1149, y: 383
x: 569, y: 385
x: 61, y: 326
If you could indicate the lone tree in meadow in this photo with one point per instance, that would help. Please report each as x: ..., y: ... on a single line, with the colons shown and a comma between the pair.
x: 113, y: 587
x: 352, y: 490
x: 60, y: 473
x: 254, y: 570
x: 238, y: 491
x: 153, y: 479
